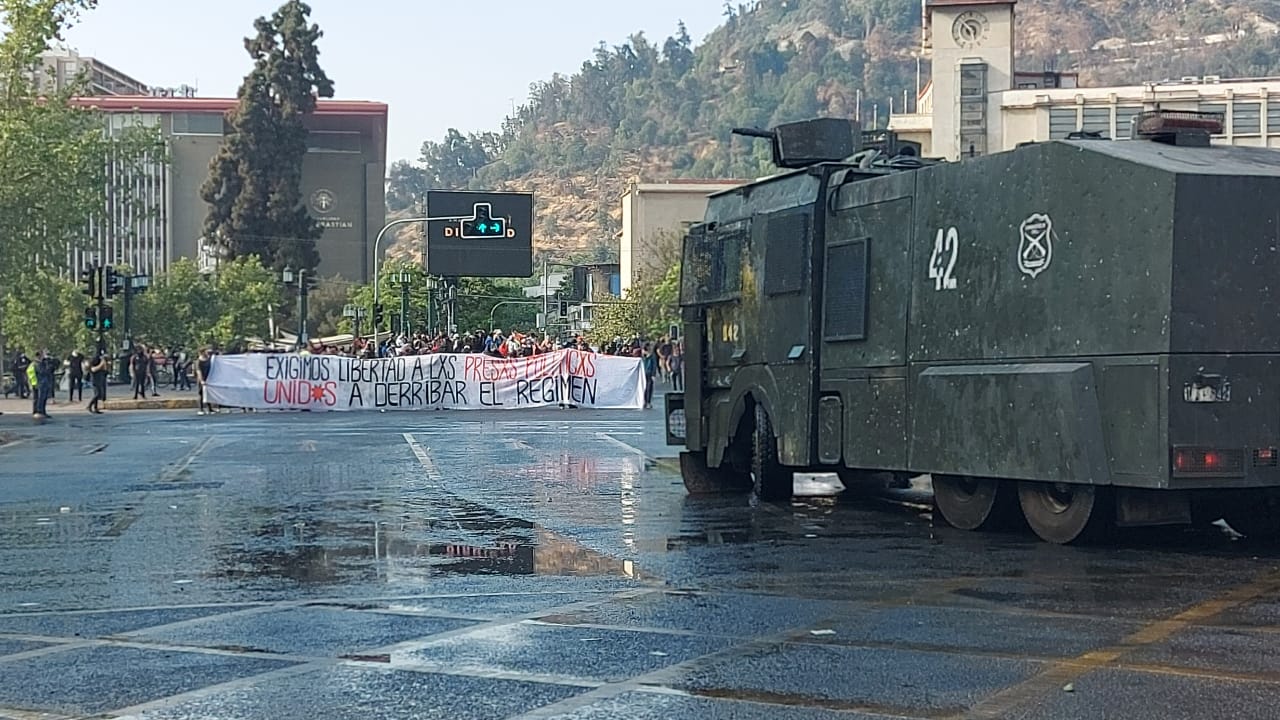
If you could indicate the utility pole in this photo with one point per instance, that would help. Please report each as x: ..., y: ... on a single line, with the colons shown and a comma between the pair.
x: 448, y: 304
x: 130, y: 285
x: 289, y: 277
x: 99, y: 283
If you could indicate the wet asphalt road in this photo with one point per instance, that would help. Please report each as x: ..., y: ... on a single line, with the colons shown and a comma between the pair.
x: 540, y: 565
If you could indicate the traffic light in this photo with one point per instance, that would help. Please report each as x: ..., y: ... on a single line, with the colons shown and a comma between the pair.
x: 111, y: 281
x: 107, y: 322
x: 483, y: 225
x: 377, y: 315
x: 91, y: 318
x: 89, y: 277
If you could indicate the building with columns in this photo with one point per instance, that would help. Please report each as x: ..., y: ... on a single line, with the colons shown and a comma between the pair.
x: 978, y: 103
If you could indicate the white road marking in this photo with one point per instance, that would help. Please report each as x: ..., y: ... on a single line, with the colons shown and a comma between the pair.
x: 424, y: 458
x: 608, y: 437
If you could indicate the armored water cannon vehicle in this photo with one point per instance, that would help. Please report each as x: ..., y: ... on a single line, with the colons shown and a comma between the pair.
x: 1079, y: 334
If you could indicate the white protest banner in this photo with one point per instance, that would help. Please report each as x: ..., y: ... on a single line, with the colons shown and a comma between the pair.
x: 274, y: 381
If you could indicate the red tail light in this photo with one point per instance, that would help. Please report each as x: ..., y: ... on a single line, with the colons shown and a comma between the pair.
x: 1210, y: 461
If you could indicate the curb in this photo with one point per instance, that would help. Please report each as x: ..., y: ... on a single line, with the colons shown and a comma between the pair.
x: 167, y: 404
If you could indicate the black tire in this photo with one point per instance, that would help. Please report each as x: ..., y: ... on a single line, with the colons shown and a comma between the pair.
x: 972, y: 503
x: 699, y: 479
x: 773, y: 482
x: 1065, y: 513
x: 1256, y: 516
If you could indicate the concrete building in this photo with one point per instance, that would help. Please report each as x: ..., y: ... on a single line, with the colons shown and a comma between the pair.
x: 342, y: 183
x: 60, y: 66
x: 977, y: 103
x: 655, y: 214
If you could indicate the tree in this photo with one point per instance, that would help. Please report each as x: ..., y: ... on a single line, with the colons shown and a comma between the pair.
x: 55, y: 155
x: 45, y: 311
x: 406, y: 186
x: 184, y: 309
x: 615, y: 319
x: 254, y: 186
x: 324, y: 306
x: 247, y: 294
x: 455, y: 161
x: 179, y: 309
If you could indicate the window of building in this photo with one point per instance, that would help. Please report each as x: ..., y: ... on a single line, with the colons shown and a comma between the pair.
x: 328, y: 141
x: 197, y: 124
x: 973, y: 80
x: 117, y: 122
x: 1097, y: 120
x: 1273, y: 117
x: 1246, y: 118
x: 1062, y: 122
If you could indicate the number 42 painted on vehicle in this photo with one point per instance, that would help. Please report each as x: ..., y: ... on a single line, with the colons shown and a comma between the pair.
x: 946, y: 245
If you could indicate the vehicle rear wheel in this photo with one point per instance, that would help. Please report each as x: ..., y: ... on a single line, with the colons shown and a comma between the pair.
x: 772, y: 480
x: 1065, y: 513
x: 970, y: 503
x: 1257, y: 515
x: 699, y: 479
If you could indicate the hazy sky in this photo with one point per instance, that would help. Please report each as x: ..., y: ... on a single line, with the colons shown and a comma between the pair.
x: 436, y: 63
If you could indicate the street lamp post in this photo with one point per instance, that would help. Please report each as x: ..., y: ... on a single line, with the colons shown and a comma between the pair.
x: 357, y: 314
x: 431, y: 301
x: 507, y: 302
x: 130, y: 285
x: 404, y: 280
x: 377, y: 257
x: 300, y: 278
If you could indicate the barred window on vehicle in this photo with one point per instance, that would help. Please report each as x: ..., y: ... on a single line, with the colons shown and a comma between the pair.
x: 713, y: 264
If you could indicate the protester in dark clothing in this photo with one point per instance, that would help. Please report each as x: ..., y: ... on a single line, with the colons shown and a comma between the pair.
x: 98, y: 370
x: 649, y: 360
x: 46, y: 369
x: 182, y: 372
x: 75, y: 376
x: 20, y: 364
x: 138, y: 364
x: 203, y: 367
x: 175, y: 362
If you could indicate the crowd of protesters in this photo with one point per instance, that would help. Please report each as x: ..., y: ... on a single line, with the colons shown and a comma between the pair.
x: 37, y: 379
x: 662, y: 360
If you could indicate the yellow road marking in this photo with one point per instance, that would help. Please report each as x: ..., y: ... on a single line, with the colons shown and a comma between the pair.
x: 1060, y: 673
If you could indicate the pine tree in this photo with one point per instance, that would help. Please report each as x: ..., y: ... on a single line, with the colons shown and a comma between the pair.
x: 254, y: 187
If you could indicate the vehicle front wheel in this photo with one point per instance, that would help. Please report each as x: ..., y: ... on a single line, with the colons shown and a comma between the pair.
x: 773, y: 482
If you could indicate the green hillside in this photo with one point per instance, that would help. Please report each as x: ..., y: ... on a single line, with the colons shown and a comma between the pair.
x: 659, y: 109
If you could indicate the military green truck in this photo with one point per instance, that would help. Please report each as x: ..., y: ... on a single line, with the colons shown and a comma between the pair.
x: 1079, y: 333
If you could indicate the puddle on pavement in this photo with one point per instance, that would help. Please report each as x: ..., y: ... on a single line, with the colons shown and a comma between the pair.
x: 443, y: 536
